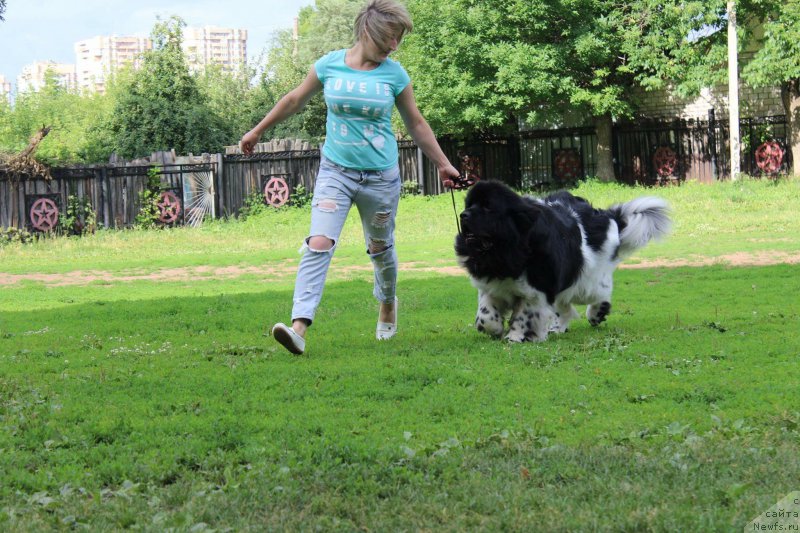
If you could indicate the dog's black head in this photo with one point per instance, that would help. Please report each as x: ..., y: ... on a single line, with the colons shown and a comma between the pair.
x: 493, y: 225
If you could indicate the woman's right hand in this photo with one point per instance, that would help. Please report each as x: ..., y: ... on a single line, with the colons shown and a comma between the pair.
x: 248, y: 142
x: 447, y: 173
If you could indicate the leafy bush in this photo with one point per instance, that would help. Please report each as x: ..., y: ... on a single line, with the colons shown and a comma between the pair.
x: 13, y: 235
x: 300, y: 196
x: 253, y: 205
x: 148, y: 215
x: 409, y: 188
x: 79, y: 218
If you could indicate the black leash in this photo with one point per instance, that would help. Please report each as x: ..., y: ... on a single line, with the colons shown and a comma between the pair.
x: 459, y: 183
x: 458, y: 223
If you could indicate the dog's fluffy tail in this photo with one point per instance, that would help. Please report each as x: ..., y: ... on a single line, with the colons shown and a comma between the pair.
x: 640, y: 221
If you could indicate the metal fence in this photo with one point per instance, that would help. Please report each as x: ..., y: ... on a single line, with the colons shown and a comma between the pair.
x: 555, y: 157
x: 657, y: 152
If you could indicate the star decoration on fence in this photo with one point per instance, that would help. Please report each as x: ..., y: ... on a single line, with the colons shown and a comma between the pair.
x: 44, y: 214
x: 169, y: 206
x: 276, y: 192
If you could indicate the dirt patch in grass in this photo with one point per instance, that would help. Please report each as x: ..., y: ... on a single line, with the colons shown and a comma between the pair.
x: 285, y: 270
x: 763, y: 258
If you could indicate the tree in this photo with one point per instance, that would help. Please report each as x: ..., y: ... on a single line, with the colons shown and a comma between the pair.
x: 2, y: 9
x: 666, y: 44
x: 495, y: 64
x: 778, y: 60
x: 230, y: 97
x: 283, y: 73
x: 162, y: 106
x: 684, y: 45
x: 71, y: 116
x: 323, y: 27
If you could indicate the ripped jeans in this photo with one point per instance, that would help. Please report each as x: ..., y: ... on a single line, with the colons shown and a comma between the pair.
x: 376, y: 193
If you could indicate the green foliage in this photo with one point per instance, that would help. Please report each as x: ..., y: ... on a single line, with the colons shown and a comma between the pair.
x: 684, y: 44
x: 253, y: 206
x: 156, y: 107
x: 675, y: 43
x: 149, y: 213
x: 75, y: 120
x: 15, y: 236
x: 323, y: 27
x: 79, y: 218
x: 409, y: 188
x: 778, y: 57
x: 162, y: 106
x: 490, y: 65
x: 300, y: 197
x: 231, y: 97
x: 475, y: 66
x: 326, y: 26
x: 283, y: 73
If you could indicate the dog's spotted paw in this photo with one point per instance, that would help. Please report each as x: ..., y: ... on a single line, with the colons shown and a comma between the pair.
x: 559, y: 326
x: 489, y: 326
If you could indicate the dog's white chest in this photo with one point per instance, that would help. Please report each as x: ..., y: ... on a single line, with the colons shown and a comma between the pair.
x: 507, y: 289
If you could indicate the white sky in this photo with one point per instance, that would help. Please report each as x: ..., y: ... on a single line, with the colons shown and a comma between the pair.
x: 44, y: 30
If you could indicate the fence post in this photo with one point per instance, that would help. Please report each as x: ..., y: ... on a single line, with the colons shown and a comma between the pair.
x: 712, y: 141
x: 421, y: 171
x: 218, y: 196
x: 104, y: 196
x: 515, y: 150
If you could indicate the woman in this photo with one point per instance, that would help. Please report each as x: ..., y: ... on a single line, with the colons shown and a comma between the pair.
x: 358, y: 165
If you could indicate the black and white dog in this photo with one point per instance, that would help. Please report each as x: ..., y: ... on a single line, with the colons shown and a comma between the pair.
x: 532, y: 259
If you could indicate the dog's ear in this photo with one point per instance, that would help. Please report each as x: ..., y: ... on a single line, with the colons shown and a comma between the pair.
x: 526, y: 222
x: 525, y: 218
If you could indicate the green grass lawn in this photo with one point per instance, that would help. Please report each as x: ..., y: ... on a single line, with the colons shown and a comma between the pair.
x: 162, y: 405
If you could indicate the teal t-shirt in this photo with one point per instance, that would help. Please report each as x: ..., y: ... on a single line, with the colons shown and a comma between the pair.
x: 359, y: 128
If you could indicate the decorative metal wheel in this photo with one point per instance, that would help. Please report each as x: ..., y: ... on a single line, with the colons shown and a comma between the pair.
x: 169, y: 207
x: 44, y: 214
x: 769, y: 157
x: 665, y: 161
x: 276, y: 191
x: 198, y: 197
x: 567, y: 165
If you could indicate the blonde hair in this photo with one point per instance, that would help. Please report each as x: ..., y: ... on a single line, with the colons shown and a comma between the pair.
x: 382, y: 20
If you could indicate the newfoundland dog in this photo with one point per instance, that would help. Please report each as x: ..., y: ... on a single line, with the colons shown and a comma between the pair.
x: 532, y: 259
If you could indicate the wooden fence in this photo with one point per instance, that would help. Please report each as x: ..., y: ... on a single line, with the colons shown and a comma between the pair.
x: 114, y: 192
x: 295, y: 161
x: 298, y: 163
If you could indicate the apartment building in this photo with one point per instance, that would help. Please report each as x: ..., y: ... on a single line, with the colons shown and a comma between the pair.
x: 99, y: 56
x: 210, y: 45
x: 33, y: 76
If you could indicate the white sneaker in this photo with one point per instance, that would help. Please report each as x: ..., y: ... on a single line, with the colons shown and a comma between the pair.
x: 289, y: 338
x: 387, y: 330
